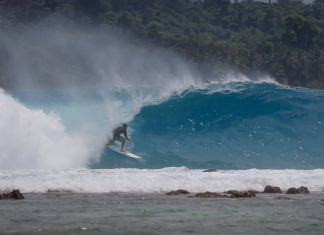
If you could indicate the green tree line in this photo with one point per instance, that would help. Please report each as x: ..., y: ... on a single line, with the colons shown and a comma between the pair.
x: 284, y: 38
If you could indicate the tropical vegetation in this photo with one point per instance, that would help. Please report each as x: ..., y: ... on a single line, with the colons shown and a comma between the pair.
x: 284, y: 39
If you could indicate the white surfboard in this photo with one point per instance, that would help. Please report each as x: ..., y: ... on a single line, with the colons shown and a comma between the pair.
x: 128, y: 154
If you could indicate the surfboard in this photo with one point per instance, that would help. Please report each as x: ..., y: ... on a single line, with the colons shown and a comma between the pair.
x: 117, y: 149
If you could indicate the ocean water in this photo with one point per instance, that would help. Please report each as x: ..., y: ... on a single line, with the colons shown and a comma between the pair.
x: 255, y: 134
x: 68, y: 213
x: 237, y: 125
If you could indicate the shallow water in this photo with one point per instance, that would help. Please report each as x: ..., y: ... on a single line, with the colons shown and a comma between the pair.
x: 71, y: 213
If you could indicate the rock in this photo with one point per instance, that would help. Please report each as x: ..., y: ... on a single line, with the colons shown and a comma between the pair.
x: 282, y: 198
x: 292, y: 191
x: 4, y: 196
x: 240, y: 194
x: 54, y: 191
x: 210, y: 170
x: 230, y: 191
x: 271, y: 189
x: 210, y: 194
x: 233, y: 191
x: 178, y: 192
x: 15, y: 194
x: 300, y: 190
x: 254, y: 191
x: 303, y: 189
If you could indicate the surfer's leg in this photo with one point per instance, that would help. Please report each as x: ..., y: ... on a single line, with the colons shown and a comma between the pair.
x: 122, y: 147
x: 123, y: 140
x: 112, y: 140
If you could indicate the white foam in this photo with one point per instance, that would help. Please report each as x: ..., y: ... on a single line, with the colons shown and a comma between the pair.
x: 156, y: 181
x: 33, y: 139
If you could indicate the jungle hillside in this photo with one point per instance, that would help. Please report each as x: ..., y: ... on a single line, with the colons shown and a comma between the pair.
x: 284, y: 39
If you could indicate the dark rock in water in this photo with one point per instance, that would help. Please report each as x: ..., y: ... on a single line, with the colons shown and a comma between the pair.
x: 210, y: 170
x: 254, y: 191
x: 230, y: 191
x: 178, y: 192
x: 15, y: 194
x: 283, y: 198
x: 271, y: 189
x: 240, y: 194
x: 300, y: 190
x: 54, y: 191
x: 303, y: 189
x: 210, y: 195
x: 233, y: 191
x: 292, y: 191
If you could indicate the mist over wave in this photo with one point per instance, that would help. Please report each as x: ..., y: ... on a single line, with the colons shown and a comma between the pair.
x: 70, y: 90
x: 53, y: 118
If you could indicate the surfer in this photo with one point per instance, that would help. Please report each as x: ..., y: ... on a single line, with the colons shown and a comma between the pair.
x: 116, y: 136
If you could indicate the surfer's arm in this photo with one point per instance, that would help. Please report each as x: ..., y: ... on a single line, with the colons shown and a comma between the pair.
x: 125, y: 134
x: 128, y: 140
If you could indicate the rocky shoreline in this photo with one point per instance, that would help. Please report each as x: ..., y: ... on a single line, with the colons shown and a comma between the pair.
x: 14, y: 195
x: 242, y: 194
x: 17, y: 195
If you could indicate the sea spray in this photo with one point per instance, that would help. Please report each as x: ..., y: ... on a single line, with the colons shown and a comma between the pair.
x: 33, y: 139
x: 73, y: 93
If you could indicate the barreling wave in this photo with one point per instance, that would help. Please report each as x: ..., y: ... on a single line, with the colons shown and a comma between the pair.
x: 236, y: 125
x: 233, y: 126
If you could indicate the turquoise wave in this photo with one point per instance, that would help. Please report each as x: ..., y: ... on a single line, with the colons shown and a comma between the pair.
x: 239, y: 125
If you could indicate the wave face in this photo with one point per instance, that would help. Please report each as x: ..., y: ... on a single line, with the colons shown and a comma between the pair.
x: 238, y: 126
x: 232, y: 126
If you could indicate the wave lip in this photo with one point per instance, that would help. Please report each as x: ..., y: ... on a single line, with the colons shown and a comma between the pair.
x: 156, y: 181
